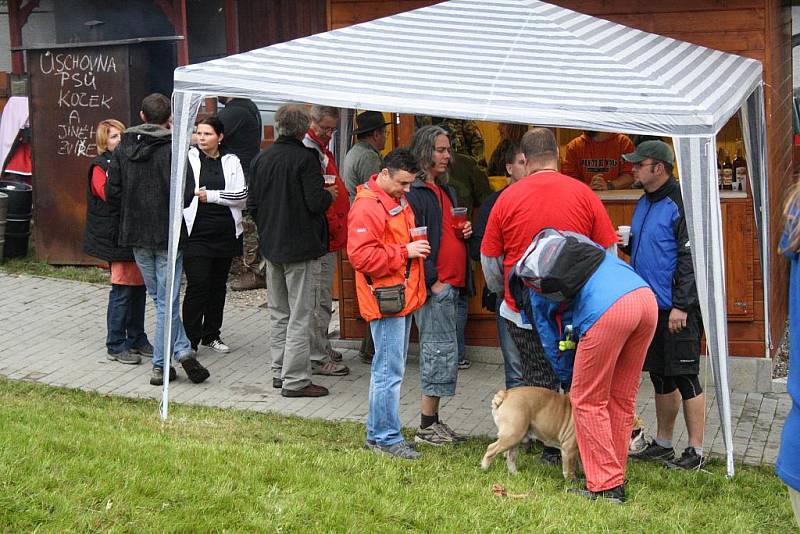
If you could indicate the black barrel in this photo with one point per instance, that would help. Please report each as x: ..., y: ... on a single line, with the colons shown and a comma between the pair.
x: 3, y: 212
x: 18, y: 218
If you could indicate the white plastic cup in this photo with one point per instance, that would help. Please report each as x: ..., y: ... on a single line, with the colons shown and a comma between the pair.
x: 625, y: 234
x: 330, y: 179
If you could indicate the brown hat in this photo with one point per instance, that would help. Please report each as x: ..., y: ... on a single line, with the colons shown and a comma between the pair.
x: 369, y: 121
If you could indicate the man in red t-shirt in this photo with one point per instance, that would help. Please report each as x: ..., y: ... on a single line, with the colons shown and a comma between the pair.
x: 595, y: 158
x: 446, y: 277
x: 544, y: 198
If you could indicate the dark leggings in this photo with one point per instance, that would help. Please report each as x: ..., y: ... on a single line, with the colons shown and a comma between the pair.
x: 688, y: 385
x: 204, y: 301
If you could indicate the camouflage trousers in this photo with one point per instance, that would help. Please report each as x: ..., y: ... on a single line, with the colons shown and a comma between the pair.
x: 251, y: 259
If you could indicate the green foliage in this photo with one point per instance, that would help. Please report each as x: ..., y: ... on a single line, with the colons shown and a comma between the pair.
x: 76, y: 461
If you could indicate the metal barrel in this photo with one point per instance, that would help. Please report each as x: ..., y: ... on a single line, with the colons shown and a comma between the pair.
x: 18, y: 218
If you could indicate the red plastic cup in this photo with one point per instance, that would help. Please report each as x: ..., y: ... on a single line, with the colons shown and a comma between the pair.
x: 459, y: 220
x: 420, y: 233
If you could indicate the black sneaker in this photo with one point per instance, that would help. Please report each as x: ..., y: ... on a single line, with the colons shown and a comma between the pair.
x: 194, y: 370
x: 277, y: 383
x: 464, y: 364
x: 689, y: 461
x: 145, y: 349
x: 124, y: 357
x: 612, y: 495
x: 550, y: 456
x: 654, y: 452
x: 157, y: 378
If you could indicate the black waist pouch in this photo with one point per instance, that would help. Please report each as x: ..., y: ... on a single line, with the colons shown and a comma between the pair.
x: 391, y: 299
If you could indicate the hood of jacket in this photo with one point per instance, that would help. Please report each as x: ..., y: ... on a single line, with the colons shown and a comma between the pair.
x: 140, y: 142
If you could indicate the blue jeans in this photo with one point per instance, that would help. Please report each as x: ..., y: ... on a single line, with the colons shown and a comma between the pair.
x: 388, y: 367
x: 462, y: 309
x: 512, y: 360
x: 155, y: 268
x: 125, y: 318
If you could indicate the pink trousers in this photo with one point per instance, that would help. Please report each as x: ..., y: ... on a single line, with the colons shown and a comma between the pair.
x: 605, y: 381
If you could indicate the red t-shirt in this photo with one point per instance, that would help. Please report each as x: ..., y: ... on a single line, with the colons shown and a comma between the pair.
x: 541, y: 200
x: 452, y: 260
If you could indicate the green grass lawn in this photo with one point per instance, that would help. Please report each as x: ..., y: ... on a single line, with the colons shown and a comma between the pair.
x: 75, y: 461
x: 30, y: 265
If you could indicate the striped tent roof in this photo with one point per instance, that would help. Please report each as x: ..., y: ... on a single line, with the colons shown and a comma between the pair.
x: 507, y: 60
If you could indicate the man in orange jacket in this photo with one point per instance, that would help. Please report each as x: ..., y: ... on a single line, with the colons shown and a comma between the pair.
x: 381, y: 251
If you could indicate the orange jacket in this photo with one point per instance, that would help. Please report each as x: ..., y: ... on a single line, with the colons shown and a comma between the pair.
x: 378, y: 232
x: 337, y: 212
x: 585, y: 158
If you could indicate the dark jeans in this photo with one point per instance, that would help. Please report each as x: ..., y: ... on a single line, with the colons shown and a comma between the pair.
x: 204, y: 301
x: 125, y: 318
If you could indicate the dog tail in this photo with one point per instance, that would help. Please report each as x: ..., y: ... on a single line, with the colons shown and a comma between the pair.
x: 498, y: 399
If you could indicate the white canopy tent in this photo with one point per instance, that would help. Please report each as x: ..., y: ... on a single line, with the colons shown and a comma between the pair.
x: 521, y: 61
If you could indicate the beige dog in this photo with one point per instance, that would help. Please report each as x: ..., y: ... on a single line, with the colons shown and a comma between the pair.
x: 533, y: 412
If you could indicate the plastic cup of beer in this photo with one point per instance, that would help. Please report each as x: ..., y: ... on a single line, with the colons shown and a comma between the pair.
x: 330, y: 179
x: 625, y: 234
x: 420, y: 233
x: 459, y: 218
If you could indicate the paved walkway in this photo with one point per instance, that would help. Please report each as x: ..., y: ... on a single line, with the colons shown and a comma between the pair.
x: 53, y: 332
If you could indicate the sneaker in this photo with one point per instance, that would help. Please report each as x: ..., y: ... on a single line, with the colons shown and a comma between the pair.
x: 311, y: 390
x: 638, y: 442
x: 550, y: 456
x: 654, y: 452
x: 218, y: 346
x: 277, y: 383
x: 157, y: 377
x: 365, y: 358
x: 434, y: 435
x: 457, y: 438
x: 334, y: 355
x: 248, y: 281
x: 464, y: 364
x: 689, y: 461
x: 145, y: 349
x: 329, y: 368
x: 612, y: 495
x: 398, y: 450
x: 194, y: 370
x: 124, y: 357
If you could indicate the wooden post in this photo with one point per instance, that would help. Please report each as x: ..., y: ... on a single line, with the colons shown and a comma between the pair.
x: 175, y: 10
x: 231, y: 28
x: 17, y: 17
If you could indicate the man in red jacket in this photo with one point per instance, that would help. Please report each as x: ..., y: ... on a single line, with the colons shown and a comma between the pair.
x: 380, y: 249
x: 325, y: 360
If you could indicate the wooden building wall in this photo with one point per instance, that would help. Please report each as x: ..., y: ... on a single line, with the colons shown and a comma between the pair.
x: 760, y: 29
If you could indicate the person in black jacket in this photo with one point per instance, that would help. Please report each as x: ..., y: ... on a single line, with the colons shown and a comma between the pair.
x: 447, y: 275
x: 660, y: 251
x: 126, y: 338
x: 288, y: 200
x: 137, y: 193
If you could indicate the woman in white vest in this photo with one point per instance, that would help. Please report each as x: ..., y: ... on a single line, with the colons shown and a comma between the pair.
x: 215, y: 196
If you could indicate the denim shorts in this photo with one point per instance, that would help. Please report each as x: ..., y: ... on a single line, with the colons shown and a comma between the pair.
x: 438, y: 348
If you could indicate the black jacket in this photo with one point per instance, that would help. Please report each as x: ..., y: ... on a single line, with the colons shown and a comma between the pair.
x: 138, y: 186
x: 427, y: 212
x: 100, y: 239
x: 287, y: 200
x: 242, y: 122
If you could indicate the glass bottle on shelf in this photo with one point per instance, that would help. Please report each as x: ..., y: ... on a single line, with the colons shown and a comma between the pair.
x: 727, y: 172
x: 740, y: 169
x: 720, y: 158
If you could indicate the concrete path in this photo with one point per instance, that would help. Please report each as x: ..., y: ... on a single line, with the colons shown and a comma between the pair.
x: 53, y: 332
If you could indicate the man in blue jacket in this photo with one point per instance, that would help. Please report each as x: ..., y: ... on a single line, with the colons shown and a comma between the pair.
x: 660, y: 253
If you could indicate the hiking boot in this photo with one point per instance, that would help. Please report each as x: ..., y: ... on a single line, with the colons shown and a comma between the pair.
x: 329, y: 368
x: 145, y: 349
x: 457, y: 438
x: 194, y: 370
x: 689, y: 460
x: 612, y: 495
x: 157, y: 377
x: 124, y: 357
x: 311, y: 390
x: 654, y: 452
x: 218, y: 346
x: 248, y: 281
x: 434, y: 435
x: 365, y: 358
x: 334, y: 355
x: 398, y: 450
x: 464, y: 364
x: 277, y: 383
x: 550, y: 456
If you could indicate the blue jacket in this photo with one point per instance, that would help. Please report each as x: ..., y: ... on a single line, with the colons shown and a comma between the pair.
x: 612, y: 280
x: 788, y: 464
x: 660, y: 249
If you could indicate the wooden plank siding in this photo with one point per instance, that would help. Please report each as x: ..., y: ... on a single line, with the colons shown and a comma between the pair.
x: 759, y: 29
